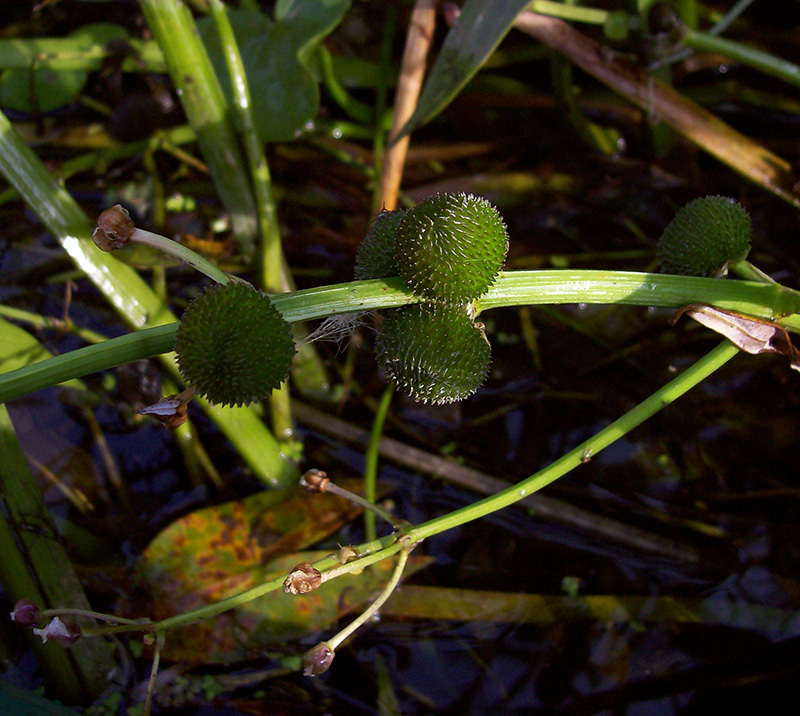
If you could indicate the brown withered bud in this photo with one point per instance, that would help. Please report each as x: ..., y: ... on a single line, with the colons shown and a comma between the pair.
x: 318, y: 660
x: 63, y: 633
x: 172, y: 410
x: 314, y: 480
x: 302, y: 579
x: 114, y: 228
x: 26, y: 613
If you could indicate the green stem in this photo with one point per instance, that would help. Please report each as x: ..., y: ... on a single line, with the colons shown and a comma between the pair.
x: 108, y: 354
x: 206, y: 109
x: 180, y: 252
x: 91, y: 615
x: 698, y: 372
x: 368, y: 505
x: 391, y: 585
x: 730, y: 17
x: 512, y: 288
x: 767, y: 63
x: 574, y: 13
x: 371, y: 466
x: 271, y: 254
x: 359, y: 111
x: 378, y: 550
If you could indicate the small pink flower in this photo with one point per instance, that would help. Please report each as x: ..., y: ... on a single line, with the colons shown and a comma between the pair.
x: 63, y: 633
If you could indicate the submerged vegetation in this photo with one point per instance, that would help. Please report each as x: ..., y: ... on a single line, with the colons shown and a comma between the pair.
x: 474, y: 194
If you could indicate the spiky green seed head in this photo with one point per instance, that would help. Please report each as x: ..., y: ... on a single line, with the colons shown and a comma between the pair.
x: 233, y: 345
x: 434, y: 352
x: 451, y: 247
x: 375, y: 257
x: 705, y: 236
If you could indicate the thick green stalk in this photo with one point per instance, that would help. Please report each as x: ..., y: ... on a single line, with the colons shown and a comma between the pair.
x: 206, y: 109
x: 60, y: 672
x: 513, y: 288
x: 271, y: 252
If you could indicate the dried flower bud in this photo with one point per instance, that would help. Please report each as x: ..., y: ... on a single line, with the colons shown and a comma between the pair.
x: 318, y: 660
x: 172, y: 410
x: 114, y: 228
x: 302, y: 579
x: 26, y: 613
x: 315, y: 480
x: 63, y: 633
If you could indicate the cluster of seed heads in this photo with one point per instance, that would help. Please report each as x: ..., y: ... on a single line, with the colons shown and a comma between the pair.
x: 235, y: 347
x: 449, y: 250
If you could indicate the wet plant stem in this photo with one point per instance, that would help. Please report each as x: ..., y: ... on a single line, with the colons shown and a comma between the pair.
x: 271, y: 252
x: 385, y: 547
x: 151, y: 682
x: 391, y: 585
x: 513, y: 288
x: 749, y: 56
x: 371, y: 466
x: 180, y: 252
x: 367, y: 504
x: 61, y: 612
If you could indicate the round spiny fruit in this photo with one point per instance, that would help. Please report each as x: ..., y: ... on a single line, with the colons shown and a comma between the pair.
x: 451, y: 247
x: 704, y: 237
x: 434, y: 352
x: 233, y: 345
x: 375, y: 255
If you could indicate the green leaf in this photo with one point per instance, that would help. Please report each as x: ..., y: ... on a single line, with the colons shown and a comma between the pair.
x: 473, y: 37
x: 40, y: 90
x: 276, y: 55
x: 219, y: 551
x: 204, y: 549
x: 310, y: 20
x: 44, y: 90
x: 286, y: 95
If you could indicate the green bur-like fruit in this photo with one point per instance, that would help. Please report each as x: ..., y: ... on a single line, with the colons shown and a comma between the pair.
x: 704, y: 237
x: 375, y: 257
x: 451, y: 247
x: 233, y: 345
x: 434, y: 352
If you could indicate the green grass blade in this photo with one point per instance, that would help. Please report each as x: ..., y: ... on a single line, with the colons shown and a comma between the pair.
x: 41, y: 552
x: 480, y: 28
x: 206, y: 109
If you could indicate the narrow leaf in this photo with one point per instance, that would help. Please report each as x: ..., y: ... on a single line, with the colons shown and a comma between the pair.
x: 476, y: 33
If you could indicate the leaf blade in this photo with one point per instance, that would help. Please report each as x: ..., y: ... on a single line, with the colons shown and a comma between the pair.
x: 477, y: 32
